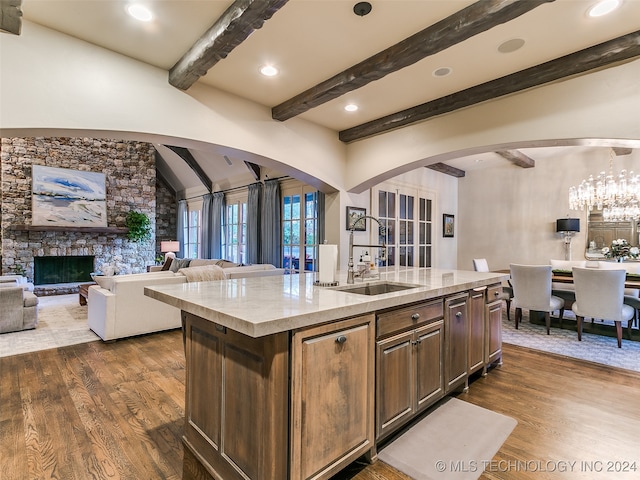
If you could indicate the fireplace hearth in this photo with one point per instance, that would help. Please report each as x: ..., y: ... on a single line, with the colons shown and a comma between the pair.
x: 62, y: 269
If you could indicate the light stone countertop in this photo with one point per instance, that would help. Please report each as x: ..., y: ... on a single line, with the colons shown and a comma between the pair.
x: 262, y: 306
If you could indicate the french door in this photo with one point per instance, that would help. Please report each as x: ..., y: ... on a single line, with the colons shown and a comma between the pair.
x: 406, y: 215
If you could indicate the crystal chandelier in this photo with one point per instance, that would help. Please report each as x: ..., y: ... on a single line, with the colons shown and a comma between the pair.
x: 617, y: 197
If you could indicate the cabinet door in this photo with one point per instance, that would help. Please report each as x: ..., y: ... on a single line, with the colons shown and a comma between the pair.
x: 476, y: 329
x: 394, y: 388
x: 494, y: 333
x: 332, y: 396
x: 429, y: 368
x: 456, y: 325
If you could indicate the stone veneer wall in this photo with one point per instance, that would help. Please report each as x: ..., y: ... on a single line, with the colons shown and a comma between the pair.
x: 131, y: 185
x: 166, y: 215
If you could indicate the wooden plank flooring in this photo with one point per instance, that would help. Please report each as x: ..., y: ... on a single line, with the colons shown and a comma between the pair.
x: 116, y: 411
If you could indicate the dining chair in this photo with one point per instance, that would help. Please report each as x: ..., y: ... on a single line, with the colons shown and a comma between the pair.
x: 481, y: 265
x: 600, y: 294
x: 532, y: 290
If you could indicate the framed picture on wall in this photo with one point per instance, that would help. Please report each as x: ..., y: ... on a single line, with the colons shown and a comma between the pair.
x: 353, y: 214
x: 448, y: 225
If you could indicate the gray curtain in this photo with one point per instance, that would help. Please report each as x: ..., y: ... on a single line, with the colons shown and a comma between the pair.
x: 270, y: 250
x: 212, y: 215
x: 182, y: 213
x: 207, y: 226
x: 253, y: 223
x: 217, y: 218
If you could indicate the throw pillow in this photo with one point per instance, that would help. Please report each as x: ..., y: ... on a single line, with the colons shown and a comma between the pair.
x: 105, y: 281
x: 179, y: 263
x: 226, y: 264
x: 167, y: 264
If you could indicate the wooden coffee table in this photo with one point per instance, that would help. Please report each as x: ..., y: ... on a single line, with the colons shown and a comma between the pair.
x: 83, y: 292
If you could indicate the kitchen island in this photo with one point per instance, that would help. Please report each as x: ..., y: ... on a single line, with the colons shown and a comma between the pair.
x: 288, y: 380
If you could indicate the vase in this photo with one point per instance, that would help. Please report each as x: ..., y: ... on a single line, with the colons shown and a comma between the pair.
x: 619, y: 259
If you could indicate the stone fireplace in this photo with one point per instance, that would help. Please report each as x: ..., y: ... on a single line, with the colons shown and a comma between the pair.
x: 130, y: 184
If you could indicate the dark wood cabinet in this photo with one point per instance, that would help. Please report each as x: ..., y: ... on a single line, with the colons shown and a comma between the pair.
x: 477, y: 330
x: 456, y: 325
x: 236, y: 401
x: 409, y: 363
x: 332, y: 400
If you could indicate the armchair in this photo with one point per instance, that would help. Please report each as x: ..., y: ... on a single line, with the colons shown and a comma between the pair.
x: 16, y: 279
x: 18, y: 309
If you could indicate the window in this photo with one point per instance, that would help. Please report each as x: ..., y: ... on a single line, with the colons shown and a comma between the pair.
x: 406, y: 215
x: 299, y: 229
x: 235, y: 231
x: 192, y: 230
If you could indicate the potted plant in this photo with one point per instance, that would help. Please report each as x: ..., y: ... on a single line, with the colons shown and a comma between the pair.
x: 139, y: 226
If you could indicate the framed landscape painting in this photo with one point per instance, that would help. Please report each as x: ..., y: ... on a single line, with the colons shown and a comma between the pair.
x: 70, y: 198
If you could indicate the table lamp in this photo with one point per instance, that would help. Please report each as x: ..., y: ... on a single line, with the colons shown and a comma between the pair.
x: 169, y: 248
x: 567, y: 226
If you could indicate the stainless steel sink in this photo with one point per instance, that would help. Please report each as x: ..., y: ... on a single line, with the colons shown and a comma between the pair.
x: 377, y: 288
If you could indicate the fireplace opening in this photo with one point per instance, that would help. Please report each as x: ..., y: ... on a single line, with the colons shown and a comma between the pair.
x: 71, y: 269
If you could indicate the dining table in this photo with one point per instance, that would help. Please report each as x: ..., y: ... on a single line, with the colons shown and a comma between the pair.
x: 565, y: 276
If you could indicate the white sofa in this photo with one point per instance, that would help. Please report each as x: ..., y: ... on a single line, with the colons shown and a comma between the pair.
x: 118, y: 307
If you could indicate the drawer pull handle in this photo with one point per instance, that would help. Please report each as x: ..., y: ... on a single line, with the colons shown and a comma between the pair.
x: 496, y: 293
x: 341, y: 339
x: 459, y: 314
x: 415, y: 316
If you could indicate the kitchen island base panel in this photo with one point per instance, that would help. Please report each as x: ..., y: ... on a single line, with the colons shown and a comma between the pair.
x: 237, y: 399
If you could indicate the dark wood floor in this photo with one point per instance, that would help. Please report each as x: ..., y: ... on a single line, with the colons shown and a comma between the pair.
x: 107, y: 411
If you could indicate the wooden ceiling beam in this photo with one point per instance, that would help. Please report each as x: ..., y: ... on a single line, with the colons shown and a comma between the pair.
x: 603, y: 55
x: 189, y: 159
x: 239, y: 21
x: 11, y: 16
x: 254, y: 169
x: 446, y: 169
x: 472, y: 20
x: 517, y: 158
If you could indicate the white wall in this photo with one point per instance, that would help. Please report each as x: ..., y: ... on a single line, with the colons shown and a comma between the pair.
x: 507, y: 214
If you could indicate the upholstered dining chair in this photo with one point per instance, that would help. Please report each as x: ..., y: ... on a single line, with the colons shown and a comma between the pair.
x: 600, y: 294
x: 532, y: 290
x: 481, y: 265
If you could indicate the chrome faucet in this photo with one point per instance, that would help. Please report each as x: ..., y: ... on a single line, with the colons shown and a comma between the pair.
x: 381, y: 230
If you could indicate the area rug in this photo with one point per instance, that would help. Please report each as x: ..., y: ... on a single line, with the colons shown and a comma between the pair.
x: 453, y: 442
x: 62, y: 321
x: 593, y: 348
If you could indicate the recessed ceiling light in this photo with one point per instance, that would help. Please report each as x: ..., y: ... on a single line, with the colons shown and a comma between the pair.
x: 140, y: 12
x: 604, y: 7
x: 351, y: 107
x: 511, y: 45
x: 269, y: 71
x: 442, y: 71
